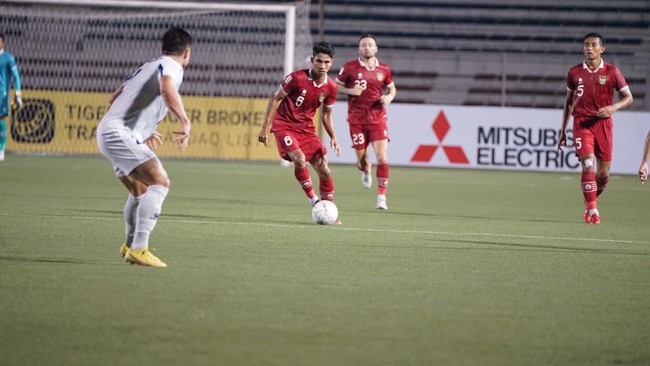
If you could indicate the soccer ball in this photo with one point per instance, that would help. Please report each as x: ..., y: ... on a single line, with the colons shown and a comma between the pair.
x: 325, y: 212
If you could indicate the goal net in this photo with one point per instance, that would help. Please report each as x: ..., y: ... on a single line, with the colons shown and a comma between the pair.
x: 73, y: 54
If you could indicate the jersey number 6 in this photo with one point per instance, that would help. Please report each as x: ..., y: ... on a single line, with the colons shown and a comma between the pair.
x: 288, y: 141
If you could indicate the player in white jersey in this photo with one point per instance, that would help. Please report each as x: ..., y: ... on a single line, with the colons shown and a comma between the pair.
x: 127, y: 137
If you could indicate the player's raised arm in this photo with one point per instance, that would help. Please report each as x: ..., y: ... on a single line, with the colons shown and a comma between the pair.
x: 173, y: 101
x: 271, y: 109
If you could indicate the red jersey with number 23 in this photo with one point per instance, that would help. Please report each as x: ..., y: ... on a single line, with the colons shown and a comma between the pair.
x: 593, y: 89
x: 366, y: 108
x: 304, y: 96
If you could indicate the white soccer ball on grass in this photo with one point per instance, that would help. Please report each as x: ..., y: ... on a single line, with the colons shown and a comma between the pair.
x: 325, y: 212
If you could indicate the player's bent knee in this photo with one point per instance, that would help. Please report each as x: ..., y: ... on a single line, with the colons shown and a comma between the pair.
x: 300, y: 163
x: 588, y: 163
x: 163, y: 181
x: 323, y: 170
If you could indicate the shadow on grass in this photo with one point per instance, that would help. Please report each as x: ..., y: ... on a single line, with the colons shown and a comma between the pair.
x: 463, y: 217
x: 203, y: 218
x: 532, y: 247
x: 22, y: 259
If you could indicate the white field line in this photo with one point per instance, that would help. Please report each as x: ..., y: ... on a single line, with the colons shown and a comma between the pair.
x: 392, y: 231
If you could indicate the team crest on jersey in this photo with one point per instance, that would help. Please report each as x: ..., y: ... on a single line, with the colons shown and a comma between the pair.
x: 380, y: 76
x: 322, y: 97
x: 602, y: 79
x: 360, y: 76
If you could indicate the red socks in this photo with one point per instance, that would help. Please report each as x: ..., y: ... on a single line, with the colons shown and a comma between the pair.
x: 382, y: 178
x: 327, y: 189
x: 589, y: 189
x: 326, y: 185
x: 303, y: 177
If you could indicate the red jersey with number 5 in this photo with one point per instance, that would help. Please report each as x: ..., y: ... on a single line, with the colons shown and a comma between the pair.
x: 366, y: 108
x: 304, y: 96
x: 593, y: 89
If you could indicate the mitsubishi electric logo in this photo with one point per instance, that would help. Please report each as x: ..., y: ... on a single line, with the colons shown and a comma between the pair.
x: 425, y: 153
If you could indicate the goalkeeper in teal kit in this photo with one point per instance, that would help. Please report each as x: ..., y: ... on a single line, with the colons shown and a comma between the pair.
x: 8, y: 70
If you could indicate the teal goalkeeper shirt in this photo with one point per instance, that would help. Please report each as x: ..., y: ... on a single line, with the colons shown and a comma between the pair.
x: 8, y: 69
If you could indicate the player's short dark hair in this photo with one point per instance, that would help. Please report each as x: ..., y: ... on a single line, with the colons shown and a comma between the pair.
x: 323, y: 47
x: 175, y: 41
x: 2, y: 36
x: 368, y: 35
x: 595, y: 35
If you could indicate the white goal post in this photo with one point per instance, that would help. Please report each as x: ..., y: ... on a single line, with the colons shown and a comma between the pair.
x: 288, y: 10
x: 73, y: 53
x: 62, y: 13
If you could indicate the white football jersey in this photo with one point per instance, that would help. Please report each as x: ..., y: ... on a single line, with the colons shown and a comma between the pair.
x: 140, y: 107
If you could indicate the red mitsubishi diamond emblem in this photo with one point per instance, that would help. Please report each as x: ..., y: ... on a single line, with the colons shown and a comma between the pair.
x: 425, y: 153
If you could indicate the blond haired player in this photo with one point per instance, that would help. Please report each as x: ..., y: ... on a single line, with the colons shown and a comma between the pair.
x: 364, y: 81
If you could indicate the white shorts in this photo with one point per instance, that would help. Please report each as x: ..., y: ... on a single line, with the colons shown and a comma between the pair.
x: 122, y: 148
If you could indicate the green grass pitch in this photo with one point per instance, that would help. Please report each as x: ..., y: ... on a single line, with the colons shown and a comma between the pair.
x: 466, y: 268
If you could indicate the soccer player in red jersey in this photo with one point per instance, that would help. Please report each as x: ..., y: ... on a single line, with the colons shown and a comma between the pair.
x: 364, y: 81
x: 589, y: 99
x: 290, y: 117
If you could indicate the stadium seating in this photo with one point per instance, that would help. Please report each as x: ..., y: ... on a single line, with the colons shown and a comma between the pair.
x: 458, y: 52
x: 503, y: 53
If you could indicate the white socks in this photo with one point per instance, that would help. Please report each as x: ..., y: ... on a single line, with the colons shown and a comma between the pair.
x: 130, y: 209
x: 147, y: 215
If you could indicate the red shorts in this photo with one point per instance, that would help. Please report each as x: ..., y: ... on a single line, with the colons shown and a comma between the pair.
x: 308, y: 143
x: 593, y: 136
x: 363, y: 135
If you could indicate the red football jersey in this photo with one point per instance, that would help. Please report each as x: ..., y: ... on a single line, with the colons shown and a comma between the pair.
x: 304, y: 96
x: 593, y: 89
x: 367, y: 107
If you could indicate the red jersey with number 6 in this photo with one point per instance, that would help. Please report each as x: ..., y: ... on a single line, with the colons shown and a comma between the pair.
x: 367, y: 107
x: 304, y: 96
x: 593, y: 89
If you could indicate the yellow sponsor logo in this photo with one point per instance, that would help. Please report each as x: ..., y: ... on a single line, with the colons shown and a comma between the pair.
x: 66, y: 123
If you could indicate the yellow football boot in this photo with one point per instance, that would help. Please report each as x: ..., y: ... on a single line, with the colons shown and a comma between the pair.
x: 143, y: 257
